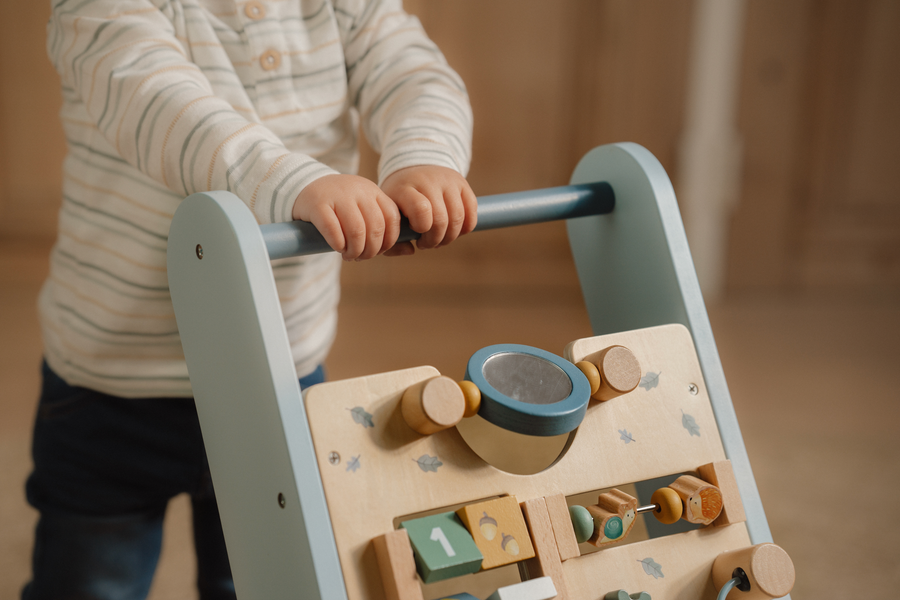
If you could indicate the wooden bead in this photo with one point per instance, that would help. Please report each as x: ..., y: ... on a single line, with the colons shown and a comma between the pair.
x: 472, y: 396
x: 670, y: 507
x: 769, y: 570
x: 702, y: 501
x: 620, y: 372
x: 592, y: 373
x: 582, y: 522
x: 432, y: 405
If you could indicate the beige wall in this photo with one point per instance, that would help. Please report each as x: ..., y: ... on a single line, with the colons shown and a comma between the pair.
x: 820, y: 202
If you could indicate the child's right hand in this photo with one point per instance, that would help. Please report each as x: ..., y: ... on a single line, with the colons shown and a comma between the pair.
x: 352, y: 213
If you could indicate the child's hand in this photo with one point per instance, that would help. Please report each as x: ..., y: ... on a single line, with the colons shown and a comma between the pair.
x: 437, y: 201
x: 353, y: 215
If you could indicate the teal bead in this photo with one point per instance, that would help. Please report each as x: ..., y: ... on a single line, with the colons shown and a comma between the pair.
x: 582, y: 522
x: 613, y: 528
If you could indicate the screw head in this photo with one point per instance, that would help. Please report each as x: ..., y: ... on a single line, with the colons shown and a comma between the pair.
x: 693, y: 389
x: 281, y: 500
x: 199, y: 251
x: 334, y: 458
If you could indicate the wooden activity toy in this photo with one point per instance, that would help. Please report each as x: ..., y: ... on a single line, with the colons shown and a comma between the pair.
x: 406, y: 486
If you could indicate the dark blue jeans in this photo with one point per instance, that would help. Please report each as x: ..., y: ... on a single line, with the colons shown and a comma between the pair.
x: 105, y: 469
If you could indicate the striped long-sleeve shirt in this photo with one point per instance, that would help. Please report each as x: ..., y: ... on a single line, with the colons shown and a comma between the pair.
x: 166, y: 98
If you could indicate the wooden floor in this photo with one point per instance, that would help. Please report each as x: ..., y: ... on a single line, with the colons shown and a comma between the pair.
x: 815, y: 384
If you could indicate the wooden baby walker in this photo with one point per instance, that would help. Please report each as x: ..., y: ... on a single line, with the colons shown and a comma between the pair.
x: 400, y: 485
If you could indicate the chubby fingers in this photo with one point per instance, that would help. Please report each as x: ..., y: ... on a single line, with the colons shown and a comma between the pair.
x: 352, y: 213
x: 437, y: 201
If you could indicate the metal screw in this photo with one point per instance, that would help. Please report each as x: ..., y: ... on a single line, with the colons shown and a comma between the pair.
x: 334, y: 458
x: 693, y: 389
x: 281, y: 500
x: 199, y: 251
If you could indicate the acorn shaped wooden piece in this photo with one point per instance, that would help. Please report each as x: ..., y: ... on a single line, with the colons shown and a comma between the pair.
x: 702, y: 501
x: 613, y: 516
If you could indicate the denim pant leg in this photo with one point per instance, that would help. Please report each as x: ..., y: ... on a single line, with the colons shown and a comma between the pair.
x: 104, y: 471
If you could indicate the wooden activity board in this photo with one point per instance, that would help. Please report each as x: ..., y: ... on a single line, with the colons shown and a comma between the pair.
x: 320, y: 494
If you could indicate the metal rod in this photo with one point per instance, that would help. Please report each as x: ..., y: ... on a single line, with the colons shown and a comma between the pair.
x: 300, y: 238
x: 648, y: 508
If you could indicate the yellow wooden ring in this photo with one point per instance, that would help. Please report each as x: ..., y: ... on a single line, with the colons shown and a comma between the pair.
x: 669, y: 503
x: 592, y: 373
x: 472, y: 395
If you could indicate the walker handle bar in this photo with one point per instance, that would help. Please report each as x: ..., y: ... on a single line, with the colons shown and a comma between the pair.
x: 299, y: 238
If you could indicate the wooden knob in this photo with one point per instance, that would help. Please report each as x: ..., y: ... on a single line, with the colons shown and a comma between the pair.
x: 432, y: 405
x: 592, y: 373
x: 472, y: 396
x: 768, y: 570
x: 620, y: 372
x: 702, y: 501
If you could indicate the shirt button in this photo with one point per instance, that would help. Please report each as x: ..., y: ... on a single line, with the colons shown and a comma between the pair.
x: 270, y: 59
x: 254, y: 10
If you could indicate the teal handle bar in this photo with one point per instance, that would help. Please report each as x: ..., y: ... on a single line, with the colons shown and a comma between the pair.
x: 299, y: 238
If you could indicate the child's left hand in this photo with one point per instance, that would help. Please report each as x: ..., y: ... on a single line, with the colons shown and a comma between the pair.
x: 437, y: 201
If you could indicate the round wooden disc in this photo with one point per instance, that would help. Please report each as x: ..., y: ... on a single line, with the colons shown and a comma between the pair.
x: 620, y: 369
x: 443, y: 402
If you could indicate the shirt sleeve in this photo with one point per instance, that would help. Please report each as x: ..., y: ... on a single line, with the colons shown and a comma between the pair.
x: 414, y: 108
x: 140, y: 88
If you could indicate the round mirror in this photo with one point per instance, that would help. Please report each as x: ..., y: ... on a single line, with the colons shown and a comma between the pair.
x: 527, y: 378
x: 528, y: 390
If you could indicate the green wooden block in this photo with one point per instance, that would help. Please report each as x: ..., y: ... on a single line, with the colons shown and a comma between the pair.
x: 443, y: 547
x: 460, y: 596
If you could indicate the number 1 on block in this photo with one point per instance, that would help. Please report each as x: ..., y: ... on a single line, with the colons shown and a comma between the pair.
x: 437, y: 535
x: 454, y: 554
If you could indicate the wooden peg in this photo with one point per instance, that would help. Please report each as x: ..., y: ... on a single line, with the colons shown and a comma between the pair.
x: 620, y: 372
x: 721, y: 475
x: 432, y: 405
x: 397, y: 566
x: 702, y: 501
x: 613, y: 516
x: 768, y: 570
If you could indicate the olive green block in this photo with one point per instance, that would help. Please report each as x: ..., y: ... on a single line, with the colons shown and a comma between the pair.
x: 443, y: 547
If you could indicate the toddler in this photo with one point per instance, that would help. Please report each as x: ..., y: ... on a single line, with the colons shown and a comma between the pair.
x: 164, y: 98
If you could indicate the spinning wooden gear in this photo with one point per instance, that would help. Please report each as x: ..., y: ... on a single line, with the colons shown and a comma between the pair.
x: 365, y: 489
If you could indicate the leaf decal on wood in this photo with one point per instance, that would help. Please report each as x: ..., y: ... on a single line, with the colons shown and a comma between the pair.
x: 650, y: 380
x: 625, y: 436
x: 362, y: 417
x: 353, y: 464
x: 690, y: 424
x: 429, y: 463
x: 651, y: 567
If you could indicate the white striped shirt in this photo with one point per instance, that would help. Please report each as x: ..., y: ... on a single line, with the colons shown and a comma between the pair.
x: 166, y: 98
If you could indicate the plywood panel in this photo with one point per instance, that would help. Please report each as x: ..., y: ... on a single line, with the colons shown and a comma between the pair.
x: 376, y: 470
